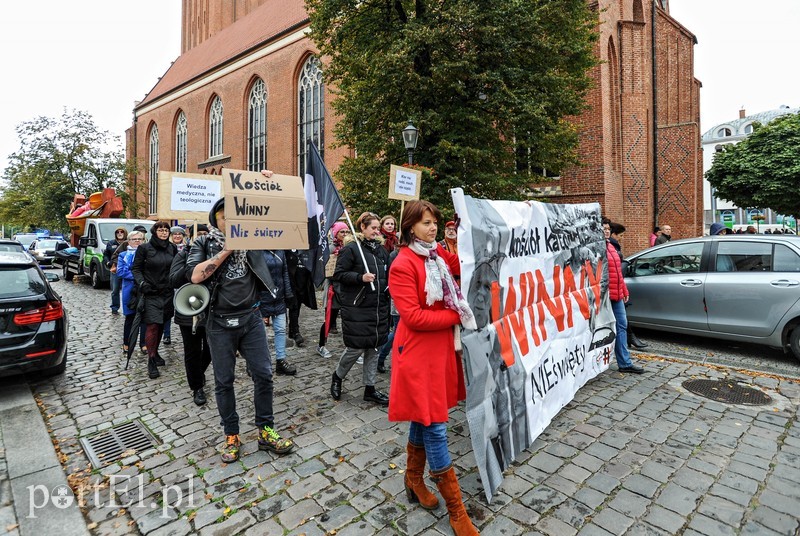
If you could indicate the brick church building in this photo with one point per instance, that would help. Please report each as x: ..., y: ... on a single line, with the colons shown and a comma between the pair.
x: 247, y: 87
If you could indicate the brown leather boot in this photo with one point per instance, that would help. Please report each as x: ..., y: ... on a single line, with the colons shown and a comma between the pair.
x: 448, y: 486
x: 416, y: 490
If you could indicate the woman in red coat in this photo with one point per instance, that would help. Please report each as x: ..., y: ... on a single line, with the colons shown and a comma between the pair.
x: 427, y: 377
x: 618, y: 294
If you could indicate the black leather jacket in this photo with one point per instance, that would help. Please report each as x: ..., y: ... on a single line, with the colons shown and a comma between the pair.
x: 205, y: 247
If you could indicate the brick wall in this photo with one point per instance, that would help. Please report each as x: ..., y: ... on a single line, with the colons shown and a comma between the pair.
x: 617, y: 140
x: 279, y: 71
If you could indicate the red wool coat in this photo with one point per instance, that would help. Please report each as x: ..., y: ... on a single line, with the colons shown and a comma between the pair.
x: 617, y: 289
x: 427, y: 375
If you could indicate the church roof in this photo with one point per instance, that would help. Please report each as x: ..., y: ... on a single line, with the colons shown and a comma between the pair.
x: 268, y: 21
x: 737, y: 125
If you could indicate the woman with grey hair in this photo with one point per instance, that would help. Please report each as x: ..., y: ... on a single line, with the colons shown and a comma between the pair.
x: 129, y: 296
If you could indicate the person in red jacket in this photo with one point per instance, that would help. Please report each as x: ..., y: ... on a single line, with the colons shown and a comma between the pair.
x: 618, y: 293
x: 427, y: 375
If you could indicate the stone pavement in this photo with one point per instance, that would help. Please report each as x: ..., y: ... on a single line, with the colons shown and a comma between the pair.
x: 629, y: 455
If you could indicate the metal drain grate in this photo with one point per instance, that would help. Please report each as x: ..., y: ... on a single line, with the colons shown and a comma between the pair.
x: 109, y: 445
x: 727, y: 391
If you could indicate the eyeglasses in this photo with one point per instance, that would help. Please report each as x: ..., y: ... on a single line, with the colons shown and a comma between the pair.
x: 162, y: 229
x: 120, y: 232
x: 135, y: 239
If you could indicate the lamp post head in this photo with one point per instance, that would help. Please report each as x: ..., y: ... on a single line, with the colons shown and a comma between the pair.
x: 410, y: 136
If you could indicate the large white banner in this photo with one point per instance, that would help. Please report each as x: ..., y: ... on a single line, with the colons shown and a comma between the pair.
x: 535, y: 276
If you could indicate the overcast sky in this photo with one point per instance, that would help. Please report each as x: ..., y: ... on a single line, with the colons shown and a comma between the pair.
x: 93, y: 55
x: 745, y: 55
x: 102, y: 55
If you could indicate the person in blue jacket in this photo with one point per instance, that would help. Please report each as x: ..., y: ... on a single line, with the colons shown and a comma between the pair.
x: 125, y: 275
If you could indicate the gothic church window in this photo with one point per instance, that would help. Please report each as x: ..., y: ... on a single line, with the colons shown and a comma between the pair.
x: 257, y: 127
x: 311, y: 113
x: 181, y: 131
x: 152, y: 169
x: 215, y: 128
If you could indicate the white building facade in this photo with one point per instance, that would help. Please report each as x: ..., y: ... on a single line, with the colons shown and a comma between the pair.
x: 724, y: 211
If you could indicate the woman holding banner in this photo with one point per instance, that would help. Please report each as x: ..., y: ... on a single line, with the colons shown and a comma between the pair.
x: 427, y: 375
x: 361, y: 288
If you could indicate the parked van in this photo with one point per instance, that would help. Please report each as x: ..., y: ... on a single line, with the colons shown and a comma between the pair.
x: 88, y: 260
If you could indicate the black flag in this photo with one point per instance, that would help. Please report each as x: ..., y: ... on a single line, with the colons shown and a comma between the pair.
x: 324, y: 208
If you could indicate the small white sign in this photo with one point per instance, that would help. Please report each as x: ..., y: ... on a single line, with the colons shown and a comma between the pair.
x: 195, y: 195
x: 404, y: 183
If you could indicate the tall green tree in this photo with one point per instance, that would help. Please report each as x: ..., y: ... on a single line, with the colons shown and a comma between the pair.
x: 763, y: 170
x: 57, y: 158
x: 489, y: 84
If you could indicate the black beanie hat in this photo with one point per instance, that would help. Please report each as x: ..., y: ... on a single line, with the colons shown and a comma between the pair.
x: 212, y: 215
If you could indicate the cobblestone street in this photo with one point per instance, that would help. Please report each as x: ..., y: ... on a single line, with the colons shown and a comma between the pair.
x: 630, y: 455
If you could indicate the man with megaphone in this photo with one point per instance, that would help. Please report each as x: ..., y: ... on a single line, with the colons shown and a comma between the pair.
x: 190, y: 301
x: 235, y: 279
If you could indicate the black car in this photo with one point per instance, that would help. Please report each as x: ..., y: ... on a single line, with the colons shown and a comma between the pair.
x: 33, y: 322
x: 6, y: 244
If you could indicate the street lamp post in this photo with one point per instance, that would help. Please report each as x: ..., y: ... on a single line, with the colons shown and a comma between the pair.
x: 410, y: 137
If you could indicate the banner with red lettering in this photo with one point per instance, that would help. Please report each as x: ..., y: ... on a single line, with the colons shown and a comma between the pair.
x: 535, y: 276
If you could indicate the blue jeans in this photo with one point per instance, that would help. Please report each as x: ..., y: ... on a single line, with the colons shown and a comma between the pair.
x: 621, y: 343
x: 250, y: 339
x: 116, y: 286
x: 279, y: 330
x: 434, y: 438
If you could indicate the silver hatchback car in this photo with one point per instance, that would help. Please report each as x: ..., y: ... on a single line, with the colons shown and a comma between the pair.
x: 737, y: 287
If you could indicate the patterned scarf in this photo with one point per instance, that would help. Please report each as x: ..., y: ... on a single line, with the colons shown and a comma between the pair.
x: 439, y: 284
x: 236, y: 261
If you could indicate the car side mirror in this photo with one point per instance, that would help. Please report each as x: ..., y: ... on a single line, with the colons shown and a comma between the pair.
x: 87, y: 241
x: 51, y: 277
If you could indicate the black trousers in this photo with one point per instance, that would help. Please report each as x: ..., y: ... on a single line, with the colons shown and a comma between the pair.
x: 293, y: 312
x: 196, y: 356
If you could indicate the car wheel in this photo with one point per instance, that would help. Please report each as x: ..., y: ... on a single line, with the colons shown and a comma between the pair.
x: 94, y: 274
x: 68, y: 276
x: 794, y: 341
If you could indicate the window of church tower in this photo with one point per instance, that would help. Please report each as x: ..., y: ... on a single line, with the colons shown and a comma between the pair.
x: 311, y: 112
x: 152, y: 169
x: 180, y: 143
x: 215, y: 128
x: 257, y: 128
